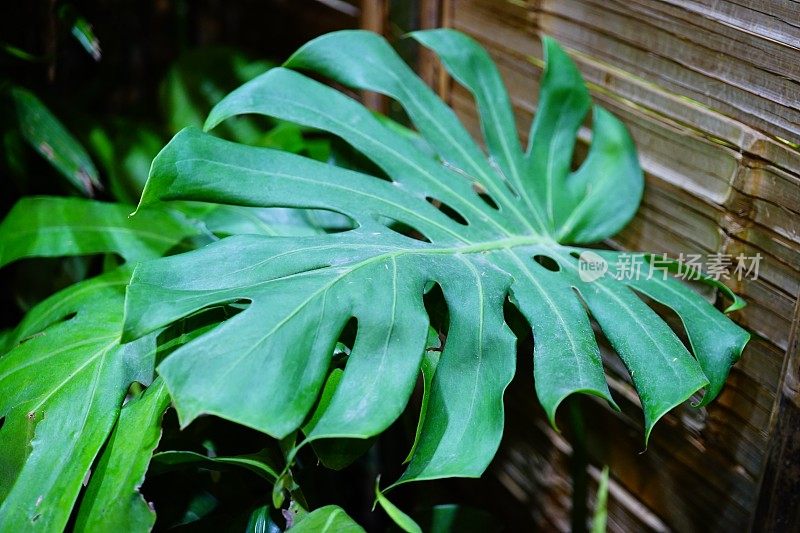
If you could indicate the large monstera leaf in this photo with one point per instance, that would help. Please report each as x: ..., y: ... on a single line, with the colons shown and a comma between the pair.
x: 486, y: 228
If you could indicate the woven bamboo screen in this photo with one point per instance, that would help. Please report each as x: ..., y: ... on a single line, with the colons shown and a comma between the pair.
x: 711, y: 93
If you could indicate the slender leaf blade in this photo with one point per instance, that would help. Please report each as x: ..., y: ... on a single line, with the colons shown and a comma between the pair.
x: 48, y: 136
x: 56, y: 227
x: 112, y: 499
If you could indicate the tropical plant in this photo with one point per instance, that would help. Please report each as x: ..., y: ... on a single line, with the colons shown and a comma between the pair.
x: 314, y: 336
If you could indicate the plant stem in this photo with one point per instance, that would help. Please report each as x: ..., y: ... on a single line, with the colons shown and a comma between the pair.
x: 579, y: 466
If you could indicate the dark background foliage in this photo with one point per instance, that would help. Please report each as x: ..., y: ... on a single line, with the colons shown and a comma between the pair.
x: 139, y: 42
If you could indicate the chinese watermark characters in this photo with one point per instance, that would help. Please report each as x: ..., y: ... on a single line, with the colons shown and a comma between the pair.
x: 691, y: 267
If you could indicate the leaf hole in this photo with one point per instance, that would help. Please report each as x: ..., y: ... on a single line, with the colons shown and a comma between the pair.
x: 669, y: 316
x: 437, y: 310
x: 343, y: 155
x: 196, y: 324
x: 575, y: 254
x: 330, y: 221
x: 43, y: 331
x: 449, y: 212
x: 344, y: 344
x: 515, y: 320
x: 482, y: 194
x: 407, y: 231
x: 579, y: 155
x: 611, y: 359
x: 547, y: 262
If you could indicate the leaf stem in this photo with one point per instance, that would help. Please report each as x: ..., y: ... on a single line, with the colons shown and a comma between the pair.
x: 579, y: 466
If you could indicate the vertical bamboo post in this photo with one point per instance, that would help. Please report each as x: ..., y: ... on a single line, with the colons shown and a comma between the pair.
x: 375, y: 17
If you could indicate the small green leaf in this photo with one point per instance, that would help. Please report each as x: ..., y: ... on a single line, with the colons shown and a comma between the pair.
x: 403, y: 521
x: 45, y: 133
x: 261, y: 522
x: 328, y: 519
x: 262, y: 464
x: 600, y: 506
x: 20, y: 53
x: 83, y: 32
x: 124, y: 151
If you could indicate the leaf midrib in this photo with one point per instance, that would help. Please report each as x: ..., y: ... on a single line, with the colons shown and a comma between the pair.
x: 509, y: 154
x: 488, y: 246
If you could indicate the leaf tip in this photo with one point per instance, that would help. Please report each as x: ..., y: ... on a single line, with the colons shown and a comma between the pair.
x: 551, y: 410
x: 738, y: 303
x: 650, y: 421
x: 212, y: 120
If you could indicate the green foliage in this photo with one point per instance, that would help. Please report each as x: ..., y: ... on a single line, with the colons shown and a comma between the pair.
x: 124, y: 150
x: 262, y: 464
x: 112, y: 497
x: 45, y: 133
x: 401, y: 519
x: 63, y: 384
x: 64, y: 374
x: 600, y: 509
x: 265, y: 370
x: 328, y: 519
x: 303, y: 243
x: 54, y: 227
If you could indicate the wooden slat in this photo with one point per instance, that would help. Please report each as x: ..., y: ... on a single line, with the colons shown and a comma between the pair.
x: 620, y: 33
x: 779, y: 501
x: 708, y: 90
x: 374, y: 17
x: 769, y: 19
x: 510, y: 29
